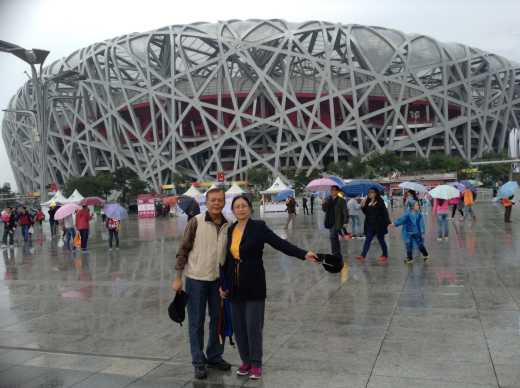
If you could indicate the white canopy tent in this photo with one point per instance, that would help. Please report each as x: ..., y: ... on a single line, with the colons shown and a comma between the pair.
x: 277, y: 187
x: 57, y: 198
x: 75, y: 197
x: 193, y: 193
x: 270, y: 205
x: 234, y: 190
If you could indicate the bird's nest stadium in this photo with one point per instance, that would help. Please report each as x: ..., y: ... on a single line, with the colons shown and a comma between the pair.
x: 229, y: 96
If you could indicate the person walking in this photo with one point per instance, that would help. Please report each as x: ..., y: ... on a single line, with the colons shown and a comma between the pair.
x: 6, y: 218
x: 376, y: 224
x: 68, y: 225
x: 39, y: 217
x: 11, y: 227
x: 412, y: 232
x: 354, y: 210
x: 442, y: 209
x: 83, y: 218
x: 202, y: 250
x: 336, y: 218
x: 469, y: 201
x: 244, y: 281
x: 112, y: 225
x: 304, y: 205
x: 291, y: 211
x: 312, y: 203
x: 25, y: 221
x: 508, y: 207
x: 52, y: 223
x: 456, y: 205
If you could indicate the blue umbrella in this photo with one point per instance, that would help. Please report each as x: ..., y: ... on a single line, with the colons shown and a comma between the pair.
x: 507, y: 190
x: 116, y: 211
x: 283, y: 195
x: 360, y: 187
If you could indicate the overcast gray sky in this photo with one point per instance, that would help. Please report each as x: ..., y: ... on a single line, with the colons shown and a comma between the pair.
x: 63, y: 26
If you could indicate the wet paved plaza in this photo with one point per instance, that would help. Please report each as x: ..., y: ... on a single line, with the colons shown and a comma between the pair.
x: 99, y: 319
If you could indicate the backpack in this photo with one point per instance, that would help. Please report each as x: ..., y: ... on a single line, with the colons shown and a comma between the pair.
x: 113, y: 224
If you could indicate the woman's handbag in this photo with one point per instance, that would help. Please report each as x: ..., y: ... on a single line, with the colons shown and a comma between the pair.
x: 77, y: 240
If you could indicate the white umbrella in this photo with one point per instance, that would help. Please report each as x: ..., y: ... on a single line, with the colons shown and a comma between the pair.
x: 445, y: 192
x: 417, y: 187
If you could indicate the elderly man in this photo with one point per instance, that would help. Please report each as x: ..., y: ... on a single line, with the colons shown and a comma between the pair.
x: 202, y: 251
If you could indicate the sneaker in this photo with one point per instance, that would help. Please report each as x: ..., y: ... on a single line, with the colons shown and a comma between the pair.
x: 360, y: 258
x: 439, y: 239
x: 426, y: 258
x: 244, y: 369
x: 255, y: 374
x: 110, y: 249
x: 201, y: 373
x: 220, y: 365
x: 445, y: 238
x: 383, y: 260
x: 408, y: 261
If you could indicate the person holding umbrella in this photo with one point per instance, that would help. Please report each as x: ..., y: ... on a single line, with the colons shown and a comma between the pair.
x: 469, y: 201
x: 114, y: 213
x: 508, y: 203
x: 336, y: 217
x: 244, y: 273
x: 112, y: 224
x: 65, y: 214
x: 376, y: 224
x: 83, y: 218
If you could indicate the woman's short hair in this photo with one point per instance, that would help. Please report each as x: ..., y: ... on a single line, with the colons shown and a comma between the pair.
x: 248, y: 201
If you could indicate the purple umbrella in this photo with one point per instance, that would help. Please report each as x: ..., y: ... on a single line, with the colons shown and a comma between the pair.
x: 116, y: 211
x: 459, y: 186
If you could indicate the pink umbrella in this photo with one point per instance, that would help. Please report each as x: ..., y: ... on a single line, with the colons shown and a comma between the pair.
x: 321, y: 184
x: 66, y: 210
x: 92, y: 201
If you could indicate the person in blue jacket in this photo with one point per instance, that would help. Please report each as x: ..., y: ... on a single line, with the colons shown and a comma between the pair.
x: 412, y: 232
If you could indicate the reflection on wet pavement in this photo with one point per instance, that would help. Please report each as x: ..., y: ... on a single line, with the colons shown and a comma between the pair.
x: 99, y: 319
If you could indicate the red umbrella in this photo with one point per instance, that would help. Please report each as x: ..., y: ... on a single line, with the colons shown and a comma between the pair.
x: 92, y: 201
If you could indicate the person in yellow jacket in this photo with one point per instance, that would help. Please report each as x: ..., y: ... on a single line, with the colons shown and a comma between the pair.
x: 469, y: 201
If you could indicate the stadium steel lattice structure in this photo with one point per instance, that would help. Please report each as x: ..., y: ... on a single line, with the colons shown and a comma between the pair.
x: 229, y: 96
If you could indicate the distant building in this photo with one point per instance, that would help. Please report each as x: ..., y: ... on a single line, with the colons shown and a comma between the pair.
x: 205, y: 98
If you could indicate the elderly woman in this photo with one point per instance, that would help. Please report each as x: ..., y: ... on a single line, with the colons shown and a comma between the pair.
x: 243, y: 281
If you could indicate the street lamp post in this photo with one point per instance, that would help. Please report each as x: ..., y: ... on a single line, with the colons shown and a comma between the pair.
x: 40, y: 88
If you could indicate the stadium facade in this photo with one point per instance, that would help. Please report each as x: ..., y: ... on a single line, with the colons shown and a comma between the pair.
x: 229, y: 96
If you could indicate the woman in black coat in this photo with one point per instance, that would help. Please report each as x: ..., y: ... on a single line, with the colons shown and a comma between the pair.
x: 243, y: 281
x: 376, y: 224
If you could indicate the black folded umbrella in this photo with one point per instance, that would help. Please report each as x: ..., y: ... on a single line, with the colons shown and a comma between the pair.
x: 177, y: 308
x: 331, y: 263
x: 188, y: 205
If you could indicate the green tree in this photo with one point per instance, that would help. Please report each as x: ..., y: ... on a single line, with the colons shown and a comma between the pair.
x: 6, y: 189
x: 182, y: 182
x: 258, y: 176
x: 301, y: 180
x: 137, y: 186
x: 89, y: 186
x: 125, y: 180
x: 491, y: 173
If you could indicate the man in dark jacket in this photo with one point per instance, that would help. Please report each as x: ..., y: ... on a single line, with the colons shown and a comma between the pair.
x: 336, y: 217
